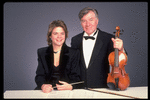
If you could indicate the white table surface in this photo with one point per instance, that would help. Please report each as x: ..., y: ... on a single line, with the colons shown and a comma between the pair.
x: 138, y: 92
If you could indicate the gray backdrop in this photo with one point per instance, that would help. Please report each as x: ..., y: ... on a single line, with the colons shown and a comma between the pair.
x: 26, y: 26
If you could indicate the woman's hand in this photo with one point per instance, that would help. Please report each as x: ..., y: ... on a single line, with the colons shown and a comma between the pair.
x: 46, y: 88
x: 64, y: 86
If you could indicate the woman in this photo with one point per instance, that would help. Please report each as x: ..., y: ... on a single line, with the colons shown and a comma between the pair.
x: 58, y: 64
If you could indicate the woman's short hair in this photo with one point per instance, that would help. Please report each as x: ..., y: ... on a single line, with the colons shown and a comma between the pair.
x: 54, y: 24
x: 86, y: 10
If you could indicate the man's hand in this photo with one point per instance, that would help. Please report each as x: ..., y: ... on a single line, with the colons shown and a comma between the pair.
x: 118, y: 43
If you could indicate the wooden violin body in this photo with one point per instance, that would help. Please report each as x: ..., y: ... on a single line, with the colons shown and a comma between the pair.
x: 118, y: 75
x: 118, y: 78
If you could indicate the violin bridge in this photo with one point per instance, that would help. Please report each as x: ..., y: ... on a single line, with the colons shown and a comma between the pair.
x: 116, y: 70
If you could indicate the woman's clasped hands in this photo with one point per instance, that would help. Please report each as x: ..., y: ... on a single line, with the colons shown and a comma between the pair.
x: 46, y: 88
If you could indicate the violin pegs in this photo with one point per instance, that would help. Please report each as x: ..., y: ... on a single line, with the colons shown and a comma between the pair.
x: 121, y: 33
x: 122, y: 30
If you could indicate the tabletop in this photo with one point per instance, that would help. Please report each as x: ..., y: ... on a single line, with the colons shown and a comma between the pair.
x: 129, y: 93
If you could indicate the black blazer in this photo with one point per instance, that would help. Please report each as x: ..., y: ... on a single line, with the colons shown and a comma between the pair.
x: 69, y: 65
x: 96, y: 74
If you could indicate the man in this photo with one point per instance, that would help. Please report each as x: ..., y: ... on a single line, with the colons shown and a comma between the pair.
x: 95, y: 46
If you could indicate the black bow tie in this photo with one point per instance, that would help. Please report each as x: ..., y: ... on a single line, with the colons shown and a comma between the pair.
x: 89, y: 37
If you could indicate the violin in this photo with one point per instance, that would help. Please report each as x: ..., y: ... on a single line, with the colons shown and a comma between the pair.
x: 118, y: 79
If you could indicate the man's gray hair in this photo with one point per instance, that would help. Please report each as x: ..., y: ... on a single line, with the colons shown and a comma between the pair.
x: 86, y: 10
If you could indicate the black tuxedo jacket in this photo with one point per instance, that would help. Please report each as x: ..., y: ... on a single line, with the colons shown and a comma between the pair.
x: 69, y: 65
x: 96, y: 74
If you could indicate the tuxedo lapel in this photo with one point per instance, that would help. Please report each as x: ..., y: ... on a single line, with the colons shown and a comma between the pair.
x: 82, y: 57
x: 97, y: 47
x: 81, y: 50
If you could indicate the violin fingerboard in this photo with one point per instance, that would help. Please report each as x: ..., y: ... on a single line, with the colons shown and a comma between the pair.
x: 116, y: 62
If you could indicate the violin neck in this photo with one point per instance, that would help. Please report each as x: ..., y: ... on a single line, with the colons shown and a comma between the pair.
x: 116, y: 62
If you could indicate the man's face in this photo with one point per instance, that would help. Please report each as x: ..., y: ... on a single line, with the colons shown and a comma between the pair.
x: 89, y: 22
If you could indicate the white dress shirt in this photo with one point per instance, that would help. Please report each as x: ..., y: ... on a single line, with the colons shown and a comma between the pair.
x: 88, y: 46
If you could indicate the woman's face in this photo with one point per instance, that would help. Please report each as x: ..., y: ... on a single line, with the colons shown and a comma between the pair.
x: 58, y: 36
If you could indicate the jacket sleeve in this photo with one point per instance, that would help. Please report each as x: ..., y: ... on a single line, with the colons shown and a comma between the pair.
x: 74, y: 75
x: 40, y: 72
x: 110, y: 46
x: 73, y: 43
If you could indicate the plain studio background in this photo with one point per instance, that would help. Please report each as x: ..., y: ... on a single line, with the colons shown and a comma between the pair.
x: 26, y: 26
